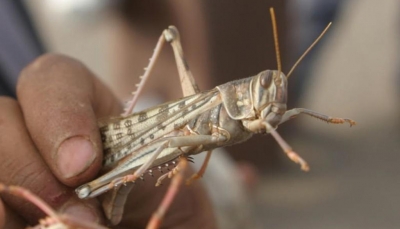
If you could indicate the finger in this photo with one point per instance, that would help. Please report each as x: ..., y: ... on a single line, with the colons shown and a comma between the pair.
x: 2, y: 214
x: 11, y: 220
x: 22, y: 165
x: 61, y: 100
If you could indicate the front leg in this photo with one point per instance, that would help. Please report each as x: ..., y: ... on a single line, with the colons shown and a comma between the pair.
x: 296, y: 111
x: 258, y: 125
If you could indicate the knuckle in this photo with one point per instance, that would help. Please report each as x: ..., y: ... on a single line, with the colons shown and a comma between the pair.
x: 46, y: 68
x: 41, y: 63
x: 28, y: 174
x: 46, y: 62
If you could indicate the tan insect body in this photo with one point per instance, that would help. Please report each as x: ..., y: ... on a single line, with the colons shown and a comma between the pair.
x: 201, y: 121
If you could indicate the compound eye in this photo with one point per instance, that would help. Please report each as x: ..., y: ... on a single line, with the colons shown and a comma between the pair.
x: 266, y: 79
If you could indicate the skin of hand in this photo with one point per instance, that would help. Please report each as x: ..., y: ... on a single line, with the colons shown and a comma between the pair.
x: 2, y: 214
x: 51, y: 144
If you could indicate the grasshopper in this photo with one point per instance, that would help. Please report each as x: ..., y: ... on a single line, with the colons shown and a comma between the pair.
x: 201, y: 121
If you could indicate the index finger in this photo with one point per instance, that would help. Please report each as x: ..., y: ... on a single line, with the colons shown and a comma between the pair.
x: 61, y: 101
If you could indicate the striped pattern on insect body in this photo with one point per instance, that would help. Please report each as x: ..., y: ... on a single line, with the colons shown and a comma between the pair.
x: 228, y: 114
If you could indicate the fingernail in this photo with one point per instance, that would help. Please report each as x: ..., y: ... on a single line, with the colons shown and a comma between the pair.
x: 74, y: 156
x: 81, y: 211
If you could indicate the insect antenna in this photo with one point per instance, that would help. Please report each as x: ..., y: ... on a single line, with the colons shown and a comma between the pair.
x: 309, y: 49
x: 276, y: 42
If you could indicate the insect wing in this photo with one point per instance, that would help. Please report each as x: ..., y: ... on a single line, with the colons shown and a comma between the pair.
x: 126, y: 135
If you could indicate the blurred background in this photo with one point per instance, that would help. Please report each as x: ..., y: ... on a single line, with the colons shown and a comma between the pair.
x: 354, y: 180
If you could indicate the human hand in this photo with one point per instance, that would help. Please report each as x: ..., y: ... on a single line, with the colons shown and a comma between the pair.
x: 50, y: 144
